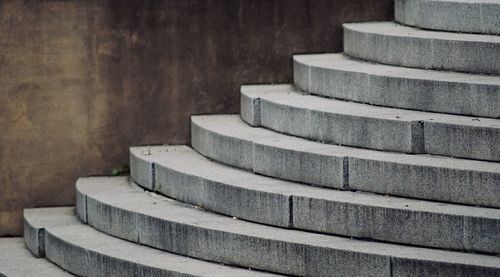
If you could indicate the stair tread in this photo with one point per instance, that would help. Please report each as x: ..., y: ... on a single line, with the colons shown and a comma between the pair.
x: 393, y: 43
x: 16, y: 260
x: 374, y: 127
x: 118, y: 255
x: 226, y: 138
x: 183, y: 174
x: 185, y: 159
x: 338, y: 76
x: 158, y: 217
x: 476, y: 16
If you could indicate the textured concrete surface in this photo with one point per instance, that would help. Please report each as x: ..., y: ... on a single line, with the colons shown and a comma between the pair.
x: 17, y: 261
x: 470, y: 16
x: 463, y: 139
x: 334, y: 121
x: 391, y: 43
x: 190, y: 231
x: 338, y: 76
x: 81, y: 81
x: 374, y: 127
x: 417, y: 176
x: 184, y: 175
x: 85, y: 251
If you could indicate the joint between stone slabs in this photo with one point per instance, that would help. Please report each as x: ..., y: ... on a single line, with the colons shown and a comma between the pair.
x: 86, y: 210
x: 390, y: 267
x: 417, y: 137
x: 153, y: 176
x: 290, y: 209
x: 345, y: 173
x: 253, y: 157
x: 41, y: 242
x: 256, y: 112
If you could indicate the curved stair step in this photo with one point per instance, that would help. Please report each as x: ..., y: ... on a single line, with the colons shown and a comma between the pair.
x: 227, y: 139
x: 182, y: 174
x: 470, y: 16
x: 16, y: 260
x: 391, y: 43
x: 338, y: 76
x: 283, y: 109
x: 85, y: 251
x: 168, y: 225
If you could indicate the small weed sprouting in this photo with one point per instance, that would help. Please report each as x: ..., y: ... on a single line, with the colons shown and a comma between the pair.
x: 123, y: 169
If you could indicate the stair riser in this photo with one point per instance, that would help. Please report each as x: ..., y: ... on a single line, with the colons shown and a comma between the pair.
x: 272, y: 209
x: 402, y: 226
x: 458, y: 16
x: 428, y: 53
x: 271, y: 160
x: 341, y: 129
x: 473, y: 143
x: 425, y: 135
x: 464, y: 98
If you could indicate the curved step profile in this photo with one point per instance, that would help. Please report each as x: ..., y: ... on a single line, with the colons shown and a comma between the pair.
x: 182, y: 174
x: 469, y: 16
x: 16, y: 260
x: 338, y: 76
x: 283, y: 109
x: 85, y: 251
x: 229, y: 140
x: 391, y: 43
x: 168, y: 225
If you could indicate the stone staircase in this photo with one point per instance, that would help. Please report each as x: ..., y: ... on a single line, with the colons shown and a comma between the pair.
x: 382, y: 161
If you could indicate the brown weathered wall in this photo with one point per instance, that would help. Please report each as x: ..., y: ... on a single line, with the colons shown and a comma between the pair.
x: 81, y: 81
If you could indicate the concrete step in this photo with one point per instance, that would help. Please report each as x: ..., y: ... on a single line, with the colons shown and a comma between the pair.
x: 470, y: 16
x: 338, y: 76
x: 391, y: 43
x: 84, y: 251
x: 227, y: 139
x: 183, y: 174
x: 283, y: 109
x: 186, y: 230
x: 16, y: 260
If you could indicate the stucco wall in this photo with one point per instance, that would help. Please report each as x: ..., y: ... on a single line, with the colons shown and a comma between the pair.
x: 81, y: 81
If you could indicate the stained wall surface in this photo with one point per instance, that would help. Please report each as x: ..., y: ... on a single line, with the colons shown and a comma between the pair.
x: 81, y: 81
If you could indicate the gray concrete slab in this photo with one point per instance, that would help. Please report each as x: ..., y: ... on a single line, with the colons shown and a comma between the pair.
x: 374, y: 127
x: 189, y: 231
x: 85, y: 251
x: 391, y: 43
x: 16, y: 260
x: 342, y: 77
x: 187, y: 176
x: 469, y: 16
x: 227, y: 139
